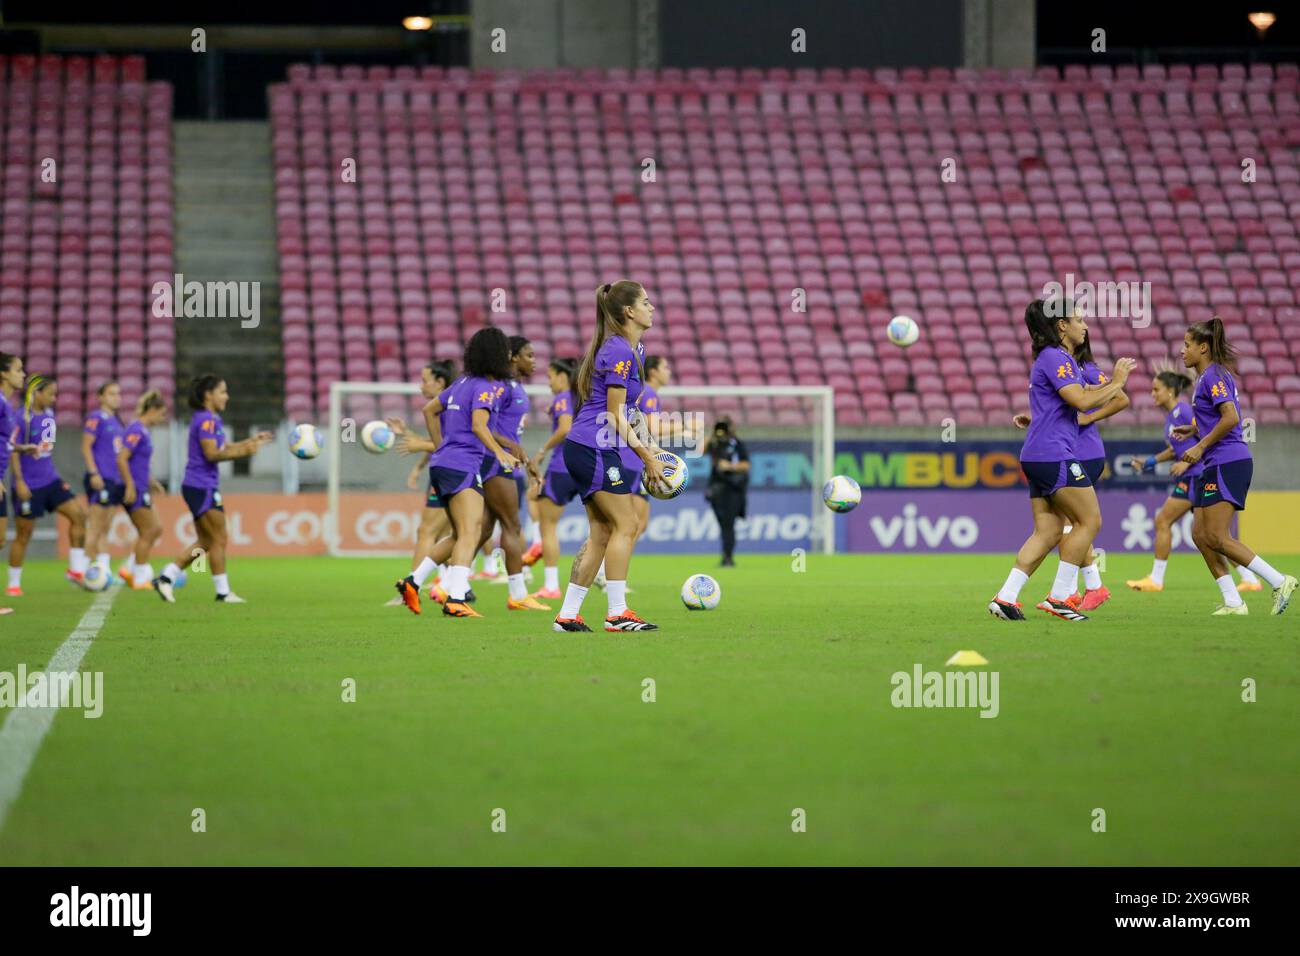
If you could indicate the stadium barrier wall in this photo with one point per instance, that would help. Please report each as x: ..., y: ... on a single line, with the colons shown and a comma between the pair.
x: 889, y: 522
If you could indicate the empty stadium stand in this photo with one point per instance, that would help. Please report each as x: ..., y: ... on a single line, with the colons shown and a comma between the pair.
x: 85, y: 223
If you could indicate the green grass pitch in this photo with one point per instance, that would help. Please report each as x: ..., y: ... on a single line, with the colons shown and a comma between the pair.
x: 778, y: 700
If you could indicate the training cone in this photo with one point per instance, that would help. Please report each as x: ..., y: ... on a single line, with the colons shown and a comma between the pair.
x: 966, y: 659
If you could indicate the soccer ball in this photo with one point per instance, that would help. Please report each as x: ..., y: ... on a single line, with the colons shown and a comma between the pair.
x: 701, y: 593
x: 94, y: 578
x: 841, y: 493
x: 305, y: 441
x: 903, y: 330
x: 377, y: 437
x: 676, y: 477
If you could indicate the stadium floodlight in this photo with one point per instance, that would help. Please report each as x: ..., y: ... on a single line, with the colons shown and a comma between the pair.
x: 1261, y: 20
x: 812, y: 420
x: 418, y: 23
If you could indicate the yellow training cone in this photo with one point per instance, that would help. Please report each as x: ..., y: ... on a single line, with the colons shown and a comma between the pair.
x: 966, y: 659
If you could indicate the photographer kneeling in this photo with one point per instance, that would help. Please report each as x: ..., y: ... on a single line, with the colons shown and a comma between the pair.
x: 728, y: 481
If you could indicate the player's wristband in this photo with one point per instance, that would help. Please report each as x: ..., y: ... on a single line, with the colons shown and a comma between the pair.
x: 1149, y: 464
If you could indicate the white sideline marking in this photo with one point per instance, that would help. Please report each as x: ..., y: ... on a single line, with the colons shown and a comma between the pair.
x: 22, y: 734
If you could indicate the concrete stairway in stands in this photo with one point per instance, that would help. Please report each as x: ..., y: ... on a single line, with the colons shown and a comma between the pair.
x: 225, y: 231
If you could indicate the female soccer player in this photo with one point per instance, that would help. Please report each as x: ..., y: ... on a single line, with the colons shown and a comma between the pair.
x: 38, y: 489
x: 11, y: 380
x: 1091, y: 453
x: 459, y: 463
x: 435, y: 378
x: 1059, y: 488
x: 557, y: 488
x: 1221, y: 487
x: 606, y: 463
x: 1167, y: 392
x: 139, y: 486
x: 101, y: 440
x: 201, y: 486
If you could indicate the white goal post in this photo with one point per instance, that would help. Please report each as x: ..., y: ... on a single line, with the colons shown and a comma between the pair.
x: 821, y: 430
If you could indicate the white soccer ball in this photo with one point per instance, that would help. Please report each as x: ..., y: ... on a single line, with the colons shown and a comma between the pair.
x: 701, y: 593
x: 305, y: 441
x: 902, y: 330
x: 676, y: 477
x: 95, y: 578
x: 377, y: 437
x: 841, y: 494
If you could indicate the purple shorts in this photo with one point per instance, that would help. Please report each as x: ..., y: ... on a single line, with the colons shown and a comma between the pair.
x: 1229, y: 482
x: 491, y: 468
x: 1046, y: 478
x: 559, y: 487
x: 445, y: 482
x: 202, y: 500
x: 599, y: 469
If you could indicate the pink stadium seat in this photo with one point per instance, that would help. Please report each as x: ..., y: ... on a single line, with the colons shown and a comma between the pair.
x: 778, y: 184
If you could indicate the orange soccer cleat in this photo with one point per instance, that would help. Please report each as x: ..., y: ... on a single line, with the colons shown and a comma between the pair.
x: 1093, y: 599
x: 459, y: 609
x: 1145, y: 584
x: 527, y: 603
x: 629, y: 621
x: 532, y: 555
x: 409, y: 592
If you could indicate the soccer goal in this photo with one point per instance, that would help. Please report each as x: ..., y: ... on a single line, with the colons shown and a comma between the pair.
x: 375, y: 501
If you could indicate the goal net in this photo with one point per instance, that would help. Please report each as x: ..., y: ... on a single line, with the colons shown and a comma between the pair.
x: 375, y: 501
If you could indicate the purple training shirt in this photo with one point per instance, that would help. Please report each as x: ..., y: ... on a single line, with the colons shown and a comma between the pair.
x: 560, y: 406
x: 8, y: 426
x: 460, y: 449
x: 1089, y: 445
x: 41, y: 431
x: 1054, y: 424
x: 1181, y: 414
x: 139, y: 445
x: 106, y: 429
x: 1216, y: 387
x: 199, y: 472
x: 617, y: 365
x: 513, y: 407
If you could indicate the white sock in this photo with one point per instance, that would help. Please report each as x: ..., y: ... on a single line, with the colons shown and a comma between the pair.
x: 532, y: 532
x: 421, y: 574
x: 456, y: 581
x: 1067, y: 581
x: 221, y: 583
x: 616, y: 591
x: 105, y: 561
x: 15, y: 577
x: 551, y: 576
x: 142, y: 574
x: 171, y: 572
x: 1091, y: 577
x: 1247, y: 575
x: 515, y: 583
x: 1011, y: 590
x: 1265, y: 571
x: 1230, y: 596
x: 442, y: 569
x: 77, y: 561
x: 1158, y: 570
x: 572, y: 601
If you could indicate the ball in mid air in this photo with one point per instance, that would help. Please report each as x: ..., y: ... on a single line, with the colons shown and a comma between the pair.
x: 305, y: 441
x: 841, y: 494
x: 902, y: 330
x: 377, y: 437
